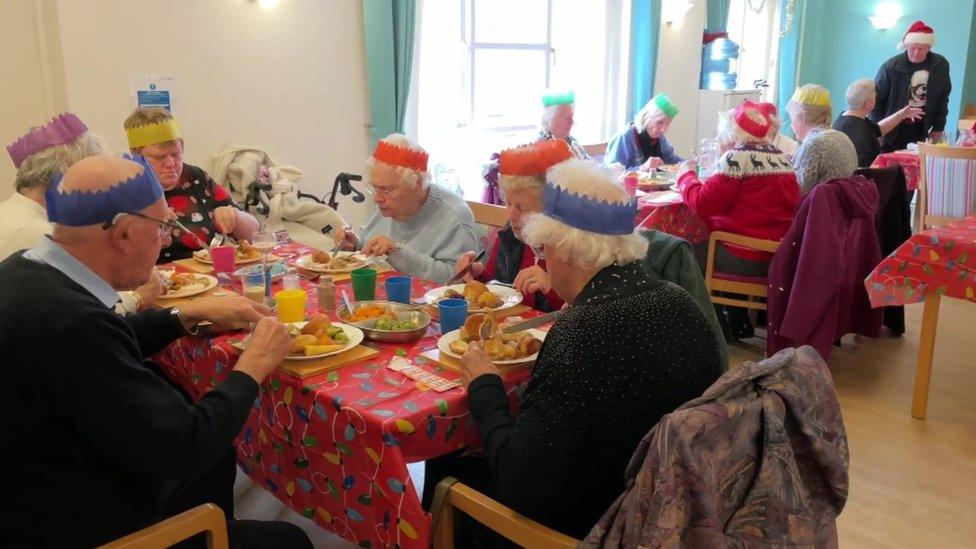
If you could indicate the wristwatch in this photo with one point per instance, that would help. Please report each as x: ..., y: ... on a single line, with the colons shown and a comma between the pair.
x: 175, y: 313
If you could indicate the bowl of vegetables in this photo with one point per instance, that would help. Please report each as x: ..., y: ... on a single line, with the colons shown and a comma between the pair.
x: 386, y: 321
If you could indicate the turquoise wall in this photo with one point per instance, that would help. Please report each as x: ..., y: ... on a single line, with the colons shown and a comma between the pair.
x: 839, y: 45
x: 969, y: 90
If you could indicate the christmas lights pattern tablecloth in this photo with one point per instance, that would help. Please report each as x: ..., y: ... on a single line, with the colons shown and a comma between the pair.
x: 334, y: 447
x: 941, y: 260
x: 665, y: 211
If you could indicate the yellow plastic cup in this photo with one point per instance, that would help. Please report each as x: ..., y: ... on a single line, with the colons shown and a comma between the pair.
x: 290, y: 305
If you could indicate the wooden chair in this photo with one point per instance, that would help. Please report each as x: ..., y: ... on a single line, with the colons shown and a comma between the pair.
x: 969, y: 111
x: 596, y: 151
x: 966, y: 124
x: 451, y: 496
x: 488, y: 214
x: 752, y: 287
x: 942, y: 186
x: 203, y: 518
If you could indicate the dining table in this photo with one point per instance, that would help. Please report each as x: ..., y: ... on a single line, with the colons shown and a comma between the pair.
x: 933, y: 264
x: 666, y: 211
x: 335, y: 446
x: 909, y: 162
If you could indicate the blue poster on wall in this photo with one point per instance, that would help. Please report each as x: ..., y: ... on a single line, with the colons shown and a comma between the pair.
x: 153, y: 91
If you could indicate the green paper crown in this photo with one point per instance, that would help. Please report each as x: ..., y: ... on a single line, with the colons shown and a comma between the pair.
x: 558, y: 98
x: 665, y: 105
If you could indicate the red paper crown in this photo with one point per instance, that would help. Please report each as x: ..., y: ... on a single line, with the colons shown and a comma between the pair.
x: 399, y: 156
x: 533, y: 159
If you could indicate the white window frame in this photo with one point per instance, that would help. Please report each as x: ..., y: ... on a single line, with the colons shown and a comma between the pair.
x: 468, y: 26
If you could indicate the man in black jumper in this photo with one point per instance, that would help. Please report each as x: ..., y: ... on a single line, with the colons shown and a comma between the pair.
x: 99, y: 443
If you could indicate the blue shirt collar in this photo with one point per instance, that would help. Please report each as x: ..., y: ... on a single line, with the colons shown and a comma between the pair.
x: 51, y: 253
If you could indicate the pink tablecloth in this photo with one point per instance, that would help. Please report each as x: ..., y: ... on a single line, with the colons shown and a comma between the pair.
x: 665, y: 211
x: 941, y: 260
x: 909, y: 162
x: 335, y: 447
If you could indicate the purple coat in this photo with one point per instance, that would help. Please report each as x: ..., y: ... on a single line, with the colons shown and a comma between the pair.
x: 816, y: 278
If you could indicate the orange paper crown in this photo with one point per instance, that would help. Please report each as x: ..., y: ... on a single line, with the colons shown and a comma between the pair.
x: 399, y: 156
x: 533, y: 159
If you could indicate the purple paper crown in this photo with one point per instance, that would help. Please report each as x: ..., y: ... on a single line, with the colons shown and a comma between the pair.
x: 61, y: 129
x: 588, y: 214
x: 82, y: 208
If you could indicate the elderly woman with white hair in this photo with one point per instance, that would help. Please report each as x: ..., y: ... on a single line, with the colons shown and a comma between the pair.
x: 629, y: 349
x: 824, y: 153
x: 522, y: 178
x: 642, y: 146
x: 864, y: 133
x: 753, y: 192
x: 421, y: 227
x: 557, y: 121
x: 39, y: 155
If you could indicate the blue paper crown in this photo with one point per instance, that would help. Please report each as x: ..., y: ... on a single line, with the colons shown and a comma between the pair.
x: 82, y: 208
x: 588, y: 214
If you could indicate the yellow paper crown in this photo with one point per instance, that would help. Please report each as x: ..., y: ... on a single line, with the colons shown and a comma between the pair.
x: 819, y: 98
x: 150, y: 134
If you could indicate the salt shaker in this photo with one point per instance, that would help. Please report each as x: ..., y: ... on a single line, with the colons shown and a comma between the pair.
x: 326, y: 294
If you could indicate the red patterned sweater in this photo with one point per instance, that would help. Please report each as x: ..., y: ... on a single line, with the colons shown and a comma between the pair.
x: 753, y: 192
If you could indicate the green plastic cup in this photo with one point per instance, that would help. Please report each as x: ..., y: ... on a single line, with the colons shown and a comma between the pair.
x: 364, y: 284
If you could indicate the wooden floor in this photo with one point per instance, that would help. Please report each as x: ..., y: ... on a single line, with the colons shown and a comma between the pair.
x: 913, y: 483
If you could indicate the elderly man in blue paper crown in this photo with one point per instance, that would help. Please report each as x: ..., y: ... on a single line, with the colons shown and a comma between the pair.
x: 99, y: 435
x: 629, y: 349
x: 642, y: 145
x: 557, y: 120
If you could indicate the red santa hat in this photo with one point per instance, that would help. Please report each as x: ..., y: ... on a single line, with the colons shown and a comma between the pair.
x: 918, y: 33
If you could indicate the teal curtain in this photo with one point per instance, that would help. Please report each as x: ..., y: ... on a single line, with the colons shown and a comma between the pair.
x: 789, y: 56
x: 389, y: 27
x: 645, y: 30
x: 717, y: 17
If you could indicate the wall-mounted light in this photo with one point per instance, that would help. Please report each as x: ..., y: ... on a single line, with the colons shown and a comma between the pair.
x: 266, y: 4
x: 673, y: 11
x: 886, y: 14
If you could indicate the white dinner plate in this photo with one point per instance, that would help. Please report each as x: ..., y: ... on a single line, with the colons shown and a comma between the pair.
x: 205, y: 282
x: 510, y: 296
x: 444, y: 344
x: 306, y: 262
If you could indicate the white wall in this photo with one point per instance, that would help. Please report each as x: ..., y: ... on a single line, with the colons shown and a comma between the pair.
x: 678, y: 73
x: 31, y: 74
x: 291, y: 80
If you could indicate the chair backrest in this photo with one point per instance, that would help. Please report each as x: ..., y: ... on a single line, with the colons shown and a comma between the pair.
x: 969, y: 111
x: 203, y: 518
x: 453, y: 496
x: 489, y: 214
x: 596, y: 151
x: 966, y: 124
x: 947, y: 184
x: 753, y: 289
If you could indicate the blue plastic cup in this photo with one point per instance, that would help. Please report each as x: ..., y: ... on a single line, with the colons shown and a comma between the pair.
x: 398, y: 288
x: 453, y: 313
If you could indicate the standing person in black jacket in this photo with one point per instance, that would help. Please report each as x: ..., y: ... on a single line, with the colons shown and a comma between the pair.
x: 917, y: 78
x: 102, y: 443
x: 629, y: 349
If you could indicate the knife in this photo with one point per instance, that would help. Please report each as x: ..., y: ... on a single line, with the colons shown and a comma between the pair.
x: 460, y: 274
x: 533, y: 322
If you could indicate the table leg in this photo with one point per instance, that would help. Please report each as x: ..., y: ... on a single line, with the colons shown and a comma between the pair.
x: 926, y: 349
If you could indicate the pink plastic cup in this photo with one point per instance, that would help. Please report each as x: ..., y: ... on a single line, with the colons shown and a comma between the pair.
x: 223, y: 258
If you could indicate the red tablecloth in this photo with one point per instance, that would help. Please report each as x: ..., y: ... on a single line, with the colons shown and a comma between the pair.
x: 909, y: 162
x: 665, y: 211
x: 940, y: 260
x: 335, y: 447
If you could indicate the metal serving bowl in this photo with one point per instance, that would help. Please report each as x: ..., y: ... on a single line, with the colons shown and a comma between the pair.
x: 401, y: 312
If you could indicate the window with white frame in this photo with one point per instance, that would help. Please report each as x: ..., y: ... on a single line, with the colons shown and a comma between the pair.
x: 483, y: 65
x: 754, y: 26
